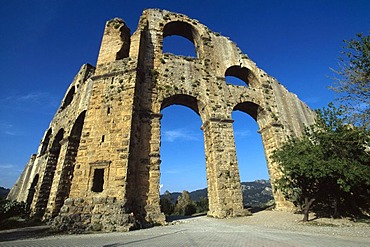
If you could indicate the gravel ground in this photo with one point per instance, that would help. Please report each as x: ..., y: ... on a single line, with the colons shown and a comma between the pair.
x: 292, y: 222
x: 265, y: 228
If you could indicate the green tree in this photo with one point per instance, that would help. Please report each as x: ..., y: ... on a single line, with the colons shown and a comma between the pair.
x: 353, y: 79
x: 328, y: 165
x: 166, y: 203
x: 10, y: 209
x: 202, y: 205
x: 184, y: 206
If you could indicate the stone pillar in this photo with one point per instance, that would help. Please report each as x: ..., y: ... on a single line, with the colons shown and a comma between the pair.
x: 116, y: 42
x: 20, y: 190
x: 273, y: 136
x: 152, y: 208
x: 47, y: 176
x: 55, y: 182
x: 224, y: 189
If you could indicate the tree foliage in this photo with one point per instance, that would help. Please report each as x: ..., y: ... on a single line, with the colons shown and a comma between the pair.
x: 10, y: 209
x: 353, y: 79
x: 329, y: 166
x: 202, y: 205
x: 184, y: 205
x: 167, y: 206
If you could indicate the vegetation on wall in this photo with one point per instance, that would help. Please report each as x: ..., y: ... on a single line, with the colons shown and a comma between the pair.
x: 327, y: 170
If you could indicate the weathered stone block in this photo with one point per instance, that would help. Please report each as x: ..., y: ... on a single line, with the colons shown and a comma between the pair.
x: 64, y: 209
x: 69, y: 202
x: 96, y: 226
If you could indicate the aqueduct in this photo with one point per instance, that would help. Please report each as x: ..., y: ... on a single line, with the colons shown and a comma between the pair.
x: 99, y: 161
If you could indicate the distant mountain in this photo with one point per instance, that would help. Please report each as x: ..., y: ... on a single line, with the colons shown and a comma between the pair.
x: 3, y: 192
x: 255, y: 194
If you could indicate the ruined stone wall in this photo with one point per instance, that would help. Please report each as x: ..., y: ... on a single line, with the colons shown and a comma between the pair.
x: 99, y: 162
x: 19, y: 192
x: 45, y: 167
x: 199, y: 83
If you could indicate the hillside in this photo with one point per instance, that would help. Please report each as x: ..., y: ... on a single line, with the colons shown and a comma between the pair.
x: 255, y: 194
x: 3, y: 192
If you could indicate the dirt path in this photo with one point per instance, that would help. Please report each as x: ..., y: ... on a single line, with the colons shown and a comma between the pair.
x: 265, y: 228
x: 292, y: 222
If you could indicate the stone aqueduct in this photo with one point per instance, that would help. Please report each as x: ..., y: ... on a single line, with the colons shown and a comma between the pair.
x: 99, y: 161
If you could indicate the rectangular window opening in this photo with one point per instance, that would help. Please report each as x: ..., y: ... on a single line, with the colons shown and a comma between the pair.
x: 98, y: 180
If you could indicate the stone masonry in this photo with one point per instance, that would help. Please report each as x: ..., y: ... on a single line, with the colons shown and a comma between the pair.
x: 98, y: 165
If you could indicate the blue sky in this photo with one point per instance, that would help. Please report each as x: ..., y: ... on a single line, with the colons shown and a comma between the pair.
x: 44, y: 43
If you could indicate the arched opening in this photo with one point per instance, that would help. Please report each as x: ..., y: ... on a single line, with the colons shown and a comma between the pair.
x: 179, y: 46
x: 125, y: 48
x: 31, y: 190
x: 45, y: 142
x: 183, y: 180
x: 232, y: 80
x: 239, y: 76
x: 174, y: 42
x: 68, y: 99
x: 47, y: 180
x: 66, y: 176
x: 254, y: 176
x: 181, y: 99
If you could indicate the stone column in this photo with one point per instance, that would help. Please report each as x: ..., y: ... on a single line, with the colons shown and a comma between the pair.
x: 20, y: 190
x: 115, y: 44
x: 55, y: 182
x: 152, y: 207
x: 273, y: 136
x: 44, y: 189
x: 224, y: 189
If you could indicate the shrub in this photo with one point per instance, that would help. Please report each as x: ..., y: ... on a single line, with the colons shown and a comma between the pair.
x: 10, y: 209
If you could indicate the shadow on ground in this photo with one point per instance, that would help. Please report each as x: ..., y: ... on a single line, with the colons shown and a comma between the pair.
x: 24, y: 233
x: 259, y: 209
x: 181, y: 217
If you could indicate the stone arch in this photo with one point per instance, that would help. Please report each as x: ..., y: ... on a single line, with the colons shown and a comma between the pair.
x: 185, y: 99
x: 183, y: 29
x: 242, y: 73
x: 256, y: 113
x: 181, y: 99
x: 272, y: 135
x: 252, y: 109
x: 223, y: 180
x: 188, y: 101
x: 66, y: 176
x: 45, y: 142
x: 31, y: 190
x: 151, y: 81
x: 47, y: 180
x: 69, y: 97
